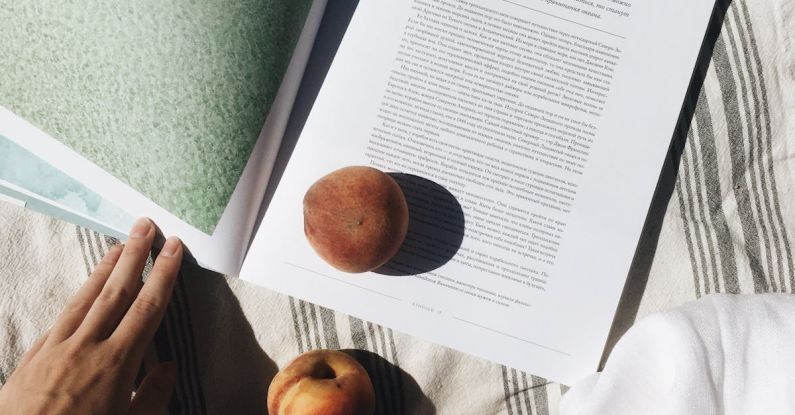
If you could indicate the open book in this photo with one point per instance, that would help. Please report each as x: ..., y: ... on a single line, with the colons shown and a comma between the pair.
x: 527, y: 136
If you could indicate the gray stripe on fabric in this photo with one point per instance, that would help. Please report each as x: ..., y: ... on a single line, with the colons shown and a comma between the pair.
x: 507, y: 390
x: 526, y: 393
x: 703, y: 209
x: 298, y: 340
x: 697, y: 226
x: 391, y: 393
x: 305, y: 325
x: 540, y: 395
x: 186, y: 330
x: 737, y: 153
x: 90, y: 256
x: 178, y: 349
x: 90, y: 247
x: 709, y: 156
x: 360, y: 341
x: 111, y: 241
x: 313, y: 320
x: 769, y: 147
x: 399, y: 394
x: 515, y: 383
x: 358, y: 337
x: 82, y: 243
x: 760, y: 159
x: 688, y: 237
x: 179, y: 387
x: 93, y: 246
x: 100, y: 246
x: 376, y: 365
x: 165, y: 352
x: 329, y: 328
x: 759, y: 196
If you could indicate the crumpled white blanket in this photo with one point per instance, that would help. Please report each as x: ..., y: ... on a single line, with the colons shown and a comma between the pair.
x: 720, y: 355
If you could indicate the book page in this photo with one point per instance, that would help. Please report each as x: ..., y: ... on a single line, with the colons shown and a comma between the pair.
x: 197, y: 171
x: 528, y: 137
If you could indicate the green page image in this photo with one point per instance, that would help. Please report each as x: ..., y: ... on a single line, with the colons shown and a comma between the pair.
x: 168, y: 96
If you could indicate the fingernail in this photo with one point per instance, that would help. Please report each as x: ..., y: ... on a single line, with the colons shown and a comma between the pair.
x: 171, y: 247
x: 141, y: 228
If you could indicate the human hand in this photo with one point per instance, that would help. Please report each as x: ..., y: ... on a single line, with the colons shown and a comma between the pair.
x: 87, y: 362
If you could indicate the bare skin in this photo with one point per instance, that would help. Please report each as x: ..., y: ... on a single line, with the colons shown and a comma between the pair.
x: 87, y: 362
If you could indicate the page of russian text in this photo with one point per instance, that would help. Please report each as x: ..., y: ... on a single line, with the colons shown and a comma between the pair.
x: 528, y: 137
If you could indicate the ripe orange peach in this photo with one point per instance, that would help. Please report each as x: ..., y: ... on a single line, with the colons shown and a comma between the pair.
x: 356, y: 218
x: 322, y: 382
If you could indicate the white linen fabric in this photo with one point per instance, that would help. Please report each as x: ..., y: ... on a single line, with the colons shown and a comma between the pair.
x: 720, y: 355
x: 722, y: 222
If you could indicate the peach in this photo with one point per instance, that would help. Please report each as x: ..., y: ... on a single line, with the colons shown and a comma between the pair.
x: 356, y: 218
x: 322, y: 382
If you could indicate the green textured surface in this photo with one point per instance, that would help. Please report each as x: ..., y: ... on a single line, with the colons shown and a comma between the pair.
x: 168, y: 96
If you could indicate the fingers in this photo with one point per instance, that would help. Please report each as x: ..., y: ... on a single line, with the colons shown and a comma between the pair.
x: 155, y: 391
x: 138, y: 327
x: 122, y: 286
x: 77, y: 308
x: 33, y: 350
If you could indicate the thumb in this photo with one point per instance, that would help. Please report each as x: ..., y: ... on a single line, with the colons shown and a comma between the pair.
x: 154, y: 393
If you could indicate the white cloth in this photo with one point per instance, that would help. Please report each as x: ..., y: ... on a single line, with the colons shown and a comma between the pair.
x: 721, y: 355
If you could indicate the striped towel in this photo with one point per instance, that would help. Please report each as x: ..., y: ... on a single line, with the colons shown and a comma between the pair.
x: 723, y: 222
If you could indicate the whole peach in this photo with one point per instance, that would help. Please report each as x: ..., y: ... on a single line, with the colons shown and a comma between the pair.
x: 356, y: 218
x: 322, y: 382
